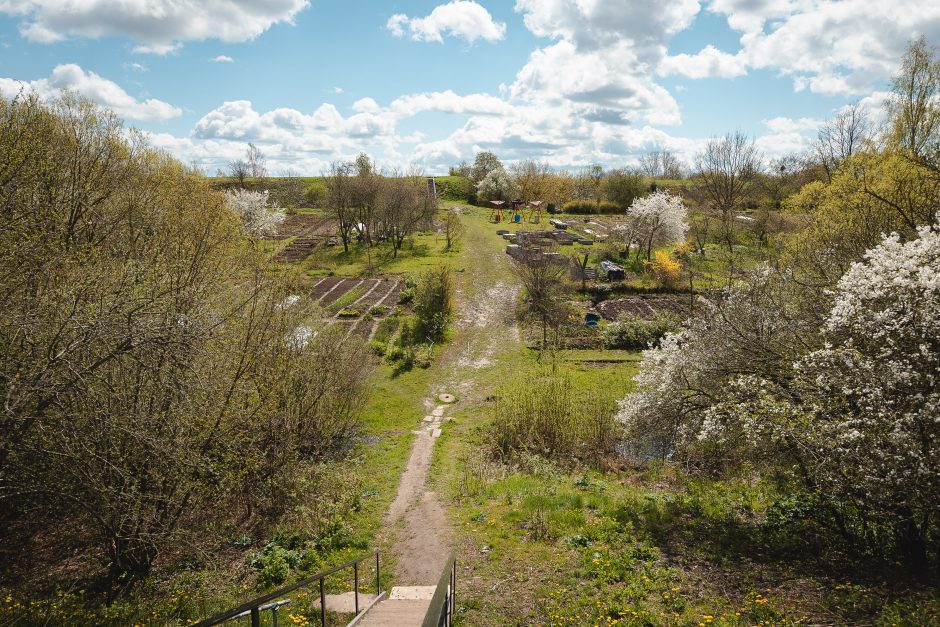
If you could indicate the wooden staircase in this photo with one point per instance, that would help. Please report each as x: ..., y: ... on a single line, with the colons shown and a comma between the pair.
x: 405, y: 606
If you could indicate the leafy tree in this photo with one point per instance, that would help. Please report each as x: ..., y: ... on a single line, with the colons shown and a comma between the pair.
x: 453, y: 230
x: 316, y: 194
x: 623, y: 186
x: 158, y: 378
x: 913, y: 108
x: 531, y: 178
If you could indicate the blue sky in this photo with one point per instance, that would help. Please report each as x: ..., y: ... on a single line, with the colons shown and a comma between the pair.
x: 428, y: 84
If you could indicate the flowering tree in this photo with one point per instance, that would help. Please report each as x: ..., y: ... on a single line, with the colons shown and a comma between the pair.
x: 659, y: 219
x: 497, y: 185
x: 875, y: 396
x: 853, y: 405
x: 252, y: 208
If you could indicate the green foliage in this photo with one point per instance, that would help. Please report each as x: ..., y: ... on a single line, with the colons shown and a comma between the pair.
x: 623, y: 187
x: 634, y: 333
x: 316, y: 194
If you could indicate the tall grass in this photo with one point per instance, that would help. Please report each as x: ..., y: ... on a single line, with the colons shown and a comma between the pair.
x: 544, y: 415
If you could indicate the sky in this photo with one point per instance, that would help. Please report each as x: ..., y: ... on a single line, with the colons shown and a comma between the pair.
x: 429, y: 84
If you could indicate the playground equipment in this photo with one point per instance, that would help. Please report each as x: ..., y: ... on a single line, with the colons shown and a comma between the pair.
x: 497, y: 214
x: 535, y: 211
x: 517, y: 205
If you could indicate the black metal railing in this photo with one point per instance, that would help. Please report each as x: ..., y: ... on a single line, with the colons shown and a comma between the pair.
x: 275, y: 600
x: 441, y: 611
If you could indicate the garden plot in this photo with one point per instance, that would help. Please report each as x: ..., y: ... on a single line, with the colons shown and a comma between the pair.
x: 643, y: 306
x: 380, y: 296
x: 309, y: 232
x: 299, y: 224
x: 324, y: 286
x: 340, y: 292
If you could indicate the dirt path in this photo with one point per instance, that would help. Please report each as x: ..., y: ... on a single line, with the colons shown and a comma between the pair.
x: 485, y: 300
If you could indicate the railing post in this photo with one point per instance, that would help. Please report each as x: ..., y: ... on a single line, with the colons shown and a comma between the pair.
x: 322, y: 605
x: 255, y: 617
x: 378, y: 586
x: 356, y: 585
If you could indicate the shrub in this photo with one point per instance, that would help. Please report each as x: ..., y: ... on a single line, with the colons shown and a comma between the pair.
x: 433, y: 304
x: 589, y: 207
x: 667, y: 269
x: 406, y: 296
x: 638, y: 333
x: 580, y: 207
x: 315, y: 194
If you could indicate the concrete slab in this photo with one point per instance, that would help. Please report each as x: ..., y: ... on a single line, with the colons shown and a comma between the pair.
x: 345, y: 603
x: 412, y: 593
x: 438, y: 411
x: 436, y: 433
x: 429, y: 418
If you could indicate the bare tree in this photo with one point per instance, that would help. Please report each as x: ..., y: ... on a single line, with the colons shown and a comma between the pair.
x: 257, y: 164
x: 842, y: 136
x: 660, y: 163
x: 542, y: 276
x: 726, y: 172
x: 339, y: 199
x: 239, y: 170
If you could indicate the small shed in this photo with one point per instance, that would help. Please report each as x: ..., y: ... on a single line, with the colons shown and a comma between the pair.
x: 612, y: 271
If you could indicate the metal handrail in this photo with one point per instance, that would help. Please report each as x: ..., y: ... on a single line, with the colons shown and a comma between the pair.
x: 441, y: 610
x: 255, y: 606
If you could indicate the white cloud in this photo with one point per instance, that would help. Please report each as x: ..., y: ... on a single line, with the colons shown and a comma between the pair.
x: 71, y: 77
x: 222, y: 58
x: 843, y: 47
x: 338, y: 90
x: 461, y: 18
x: 135, y: 67
x: 158, y: 26
x: 709, y: 62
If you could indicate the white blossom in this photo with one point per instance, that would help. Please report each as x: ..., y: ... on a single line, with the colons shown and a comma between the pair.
x: 252, y: 208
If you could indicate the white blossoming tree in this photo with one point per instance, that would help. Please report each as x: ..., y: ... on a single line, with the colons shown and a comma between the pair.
x: 259, y: 219
x: 853, y: 406
x: 497, y: 185
x: 875, y: 401
x: 658, y: 219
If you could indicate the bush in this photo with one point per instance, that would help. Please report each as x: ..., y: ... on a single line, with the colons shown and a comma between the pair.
x: 315, y: 194
x: 589, y: 207
x: 667, y: 269
x: 433, y: 304
x: 638, y: 333
x: 406, y: 296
